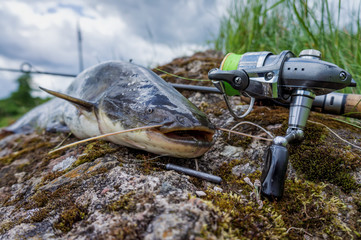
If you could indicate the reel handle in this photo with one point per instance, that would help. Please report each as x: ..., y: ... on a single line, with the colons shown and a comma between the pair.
x: 274, y: 172
x: 238, y: 79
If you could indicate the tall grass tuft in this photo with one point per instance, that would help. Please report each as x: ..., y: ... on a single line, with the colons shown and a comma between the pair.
x: 266, y: 25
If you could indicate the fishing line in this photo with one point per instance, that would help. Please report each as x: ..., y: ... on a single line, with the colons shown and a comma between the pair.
x: 29, y: 69
x: 244, y: 134
x: 177, y: 76
x: 347, y: 122
x: 338, y: 136
x: 102, y: 136
x: 151, y: 160
x: 253, y: 124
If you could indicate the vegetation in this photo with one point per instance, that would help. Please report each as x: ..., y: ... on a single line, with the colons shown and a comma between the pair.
x: 19, y: 101
x: 307, y: 210
x: 270, y: 25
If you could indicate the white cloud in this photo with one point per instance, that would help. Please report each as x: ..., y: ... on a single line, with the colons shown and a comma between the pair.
x: 7, y: 82
x: 149, y: 32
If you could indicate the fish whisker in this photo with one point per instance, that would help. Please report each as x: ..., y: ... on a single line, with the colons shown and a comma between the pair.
x: 104, y: 135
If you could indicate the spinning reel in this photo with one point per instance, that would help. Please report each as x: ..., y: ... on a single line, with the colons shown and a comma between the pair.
x: 285, y: 78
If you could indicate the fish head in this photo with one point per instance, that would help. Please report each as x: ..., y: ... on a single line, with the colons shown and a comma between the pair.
x: 148, y: 100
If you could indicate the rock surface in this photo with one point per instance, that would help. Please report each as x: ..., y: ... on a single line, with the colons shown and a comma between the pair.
x: 103, y: 191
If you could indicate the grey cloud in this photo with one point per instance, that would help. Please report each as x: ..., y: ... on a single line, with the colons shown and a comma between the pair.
x: 151, y: 26
x: 35, y: 49
x: 165, y: 21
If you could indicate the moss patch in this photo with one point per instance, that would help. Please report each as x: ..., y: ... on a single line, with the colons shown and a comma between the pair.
x: 318, y: 158
x: 125, y: 203
x: 310, y: 207
x: 40, y: 215
x: 266, y: 116
x: 29, y: 154
x: 307, y: 209
x: 68, y: 217
x: 123, y: 230
x: 50, y: 176
x: 238, y: 218
x: 131, y: 203
x: 238, y: 214
x: 183, y: 67
x: 237, y: 140
x: 215, y: 108
x: 26, y: 148
x: 232, y: 183
x: 95, y: 150
x: 38, y: 200
x: 43, y: 203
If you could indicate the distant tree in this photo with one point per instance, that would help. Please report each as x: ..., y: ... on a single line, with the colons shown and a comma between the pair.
x: 19, y: 102
x: 22, y: 96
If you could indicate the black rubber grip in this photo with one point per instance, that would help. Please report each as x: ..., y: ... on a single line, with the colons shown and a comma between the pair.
x: 274, y: 172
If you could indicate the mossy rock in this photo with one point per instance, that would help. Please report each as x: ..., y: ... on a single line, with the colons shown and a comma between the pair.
x: 321, y: 198
x: 320, y: 158
x: 95, y: 150
x: 68, y: 217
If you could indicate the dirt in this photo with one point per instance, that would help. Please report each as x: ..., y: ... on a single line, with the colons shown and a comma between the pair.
x: 100, y: 190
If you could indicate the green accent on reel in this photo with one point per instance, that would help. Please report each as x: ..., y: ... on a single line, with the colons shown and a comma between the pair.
x: 229, y: 90
x: 231, y: 61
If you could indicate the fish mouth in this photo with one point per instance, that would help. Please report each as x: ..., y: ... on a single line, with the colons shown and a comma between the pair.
x: 201, y: 135
x: 183, y: 141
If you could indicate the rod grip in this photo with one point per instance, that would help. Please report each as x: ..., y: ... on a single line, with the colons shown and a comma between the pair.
x: 194, y: 173
x: 353, y: 105
x: 274, y: 172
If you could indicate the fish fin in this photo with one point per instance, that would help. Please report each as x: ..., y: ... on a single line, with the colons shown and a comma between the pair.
x: 79, y: 103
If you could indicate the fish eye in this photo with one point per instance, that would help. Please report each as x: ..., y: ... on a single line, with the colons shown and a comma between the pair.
x: 150, y: 110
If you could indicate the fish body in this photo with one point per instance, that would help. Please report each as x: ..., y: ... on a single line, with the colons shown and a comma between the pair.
x: 115, y: 96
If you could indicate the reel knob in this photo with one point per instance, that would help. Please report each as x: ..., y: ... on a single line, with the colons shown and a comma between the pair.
x: 313, y: 53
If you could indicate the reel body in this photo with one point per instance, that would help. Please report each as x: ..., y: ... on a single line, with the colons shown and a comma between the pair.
x: 288, y: 79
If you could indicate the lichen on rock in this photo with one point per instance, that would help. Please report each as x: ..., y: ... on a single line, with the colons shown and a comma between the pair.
x: 99, y: 190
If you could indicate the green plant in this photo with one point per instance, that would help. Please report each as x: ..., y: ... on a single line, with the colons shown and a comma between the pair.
x: 19, y: 101
x: 255, y: 25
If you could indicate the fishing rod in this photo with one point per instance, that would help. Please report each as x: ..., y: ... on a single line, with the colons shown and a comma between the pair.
x: 296, y: 81
x: 301, y: 82
x: 27, y: 68
x: 334, y: 103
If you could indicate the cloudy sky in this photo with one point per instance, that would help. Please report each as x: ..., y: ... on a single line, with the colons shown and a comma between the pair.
x: 44, y: 33
x: 151, y: 32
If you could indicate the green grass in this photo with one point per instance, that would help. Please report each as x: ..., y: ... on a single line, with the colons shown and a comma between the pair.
x: 264, y: 25
x: 11, y: 110
x: 19, y: 102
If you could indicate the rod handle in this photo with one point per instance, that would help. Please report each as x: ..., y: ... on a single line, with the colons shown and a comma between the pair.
x: 353, y: 105
x: 274, y: 172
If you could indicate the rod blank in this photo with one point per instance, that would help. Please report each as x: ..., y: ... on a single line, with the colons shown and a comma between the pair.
x: 194, y: 173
